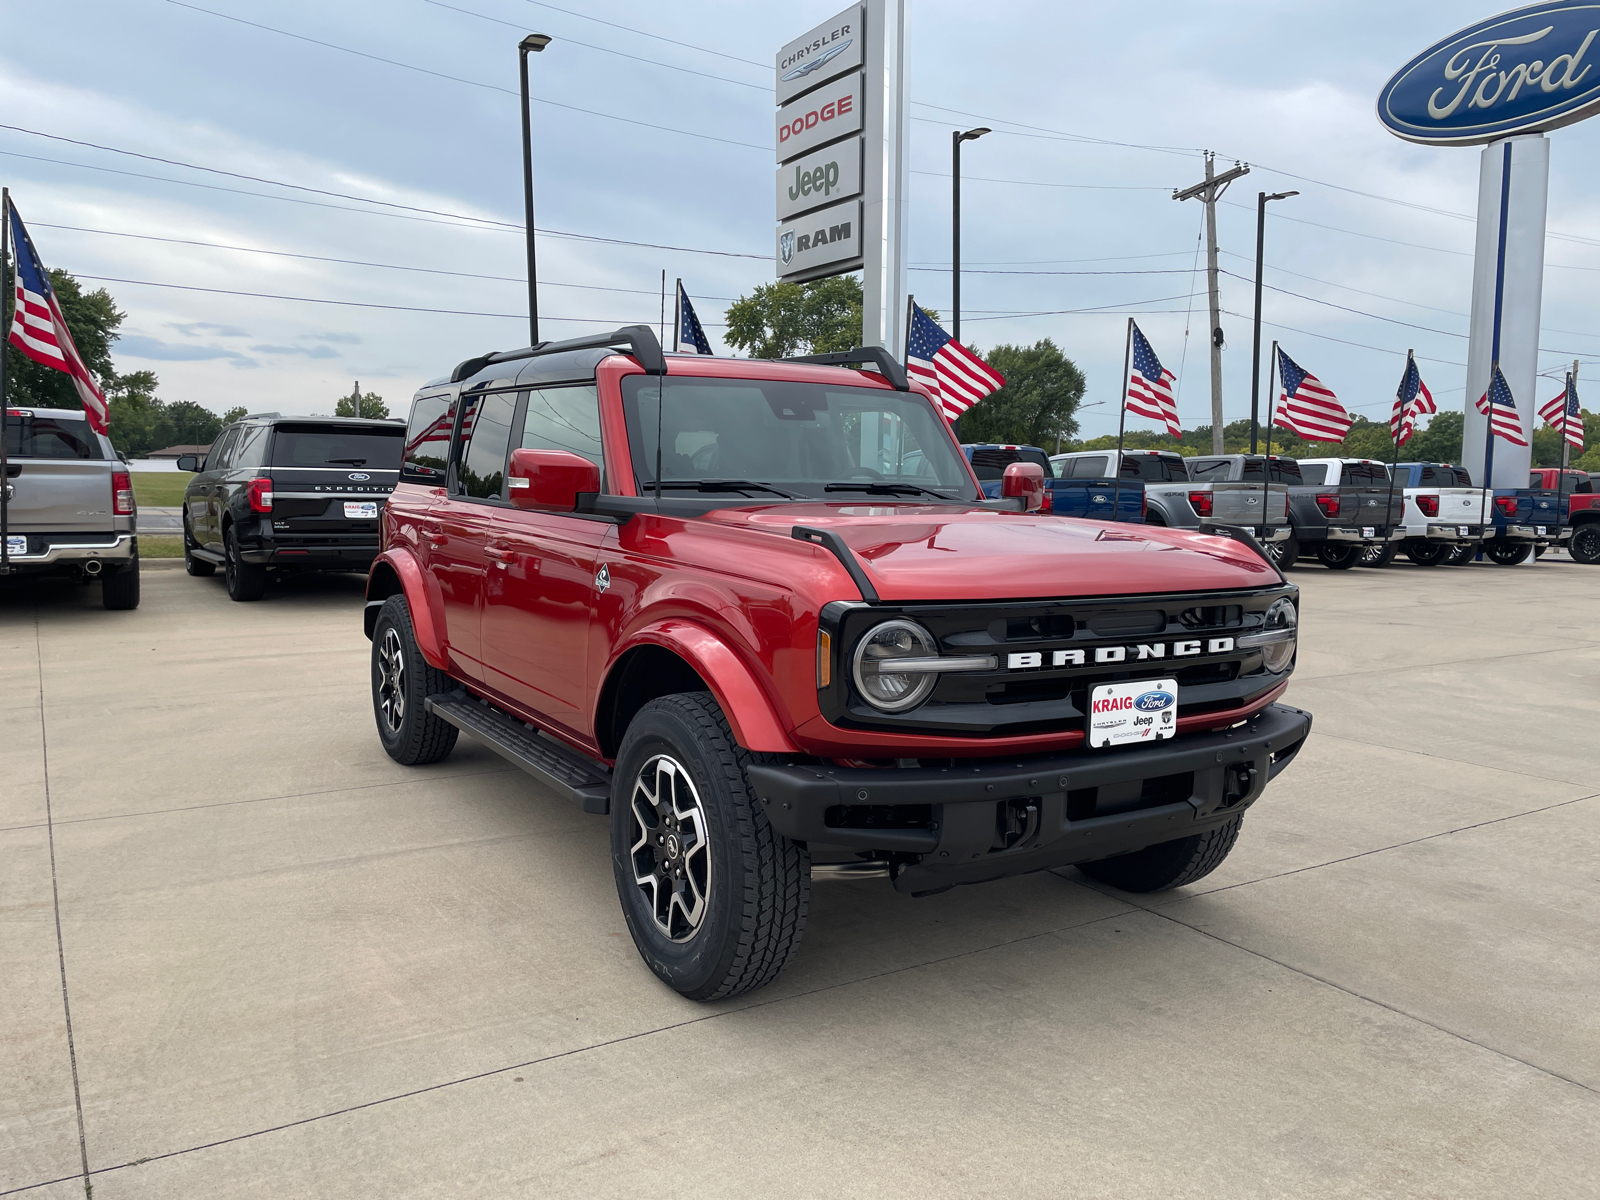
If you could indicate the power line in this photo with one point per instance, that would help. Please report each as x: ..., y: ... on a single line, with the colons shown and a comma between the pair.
x: 1151, y: 271
x: 1091, y: 187
x: 477, y: 83
x: 1277, y: 216
x: 1343, y: 308
x: 1066, y: 312
x: 1345, y: 341
x: 654, y: 36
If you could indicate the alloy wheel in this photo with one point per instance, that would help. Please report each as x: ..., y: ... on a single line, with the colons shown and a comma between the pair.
x: 392, y: 681
x: 670, y: 848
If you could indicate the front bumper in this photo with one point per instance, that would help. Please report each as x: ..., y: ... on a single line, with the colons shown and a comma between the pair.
x: 971, y: 823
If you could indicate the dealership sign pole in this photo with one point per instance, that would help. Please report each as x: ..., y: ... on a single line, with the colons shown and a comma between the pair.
x: 1502, y: 84
x: 841, y: 144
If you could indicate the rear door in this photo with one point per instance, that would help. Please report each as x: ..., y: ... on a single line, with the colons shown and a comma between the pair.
x: 60, y: 480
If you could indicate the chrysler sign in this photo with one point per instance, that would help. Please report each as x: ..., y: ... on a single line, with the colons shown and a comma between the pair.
x: 1525, y: 71
x: 818, y: 55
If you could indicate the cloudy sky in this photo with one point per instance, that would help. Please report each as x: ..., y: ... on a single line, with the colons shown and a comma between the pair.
x: 398, y: 251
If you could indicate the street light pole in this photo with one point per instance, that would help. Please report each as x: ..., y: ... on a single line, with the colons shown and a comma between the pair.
x: 1255, y: 343
x: 533, y: 43
x: 956, y: 138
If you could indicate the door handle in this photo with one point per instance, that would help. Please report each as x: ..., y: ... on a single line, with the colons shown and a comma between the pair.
x: 497, y: 554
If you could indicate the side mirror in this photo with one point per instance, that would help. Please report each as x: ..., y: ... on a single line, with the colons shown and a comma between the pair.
x: 1025, y: 481
x: 189, y: 462
x: 550, y: 479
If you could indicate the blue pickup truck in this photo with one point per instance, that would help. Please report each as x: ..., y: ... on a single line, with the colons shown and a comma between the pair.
x: 1091, y: 498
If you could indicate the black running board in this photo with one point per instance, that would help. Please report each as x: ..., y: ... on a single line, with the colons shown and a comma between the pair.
x: 585, y: 782
x: 207, y: 556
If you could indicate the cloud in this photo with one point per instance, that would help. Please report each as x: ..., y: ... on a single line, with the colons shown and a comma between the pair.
x: 343, y: 339
x: 138, y: 346
x: 195, y: 328
x: 308, y: 351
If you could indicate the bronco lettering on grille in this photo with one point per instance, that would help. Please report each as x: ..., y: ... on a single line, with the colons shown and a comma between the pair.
x: 1033, y: 660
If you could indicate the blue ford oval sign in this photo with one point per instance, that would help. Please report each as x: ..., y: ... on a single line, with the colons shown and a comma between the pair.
x: 1153, y: 701
x: 1524, y: 71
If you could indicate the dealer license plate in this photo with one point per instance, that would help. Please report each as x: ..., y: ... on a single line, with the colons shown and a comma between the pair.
x: 1540, y: 530
x: 1464, y: 530
x: 361, y: 510
x: 1369, y: 531
x: 16, y: 544
x: 1143, y: 711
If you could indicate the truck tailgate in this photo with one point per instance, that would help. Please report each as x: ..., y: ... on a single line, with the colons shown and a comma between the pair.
x: 1242, y: 504
x: 60, y: 495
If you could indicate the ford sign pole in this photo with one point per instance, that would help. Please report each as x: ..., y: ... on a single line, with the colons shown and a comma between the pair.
x: 533, y: 43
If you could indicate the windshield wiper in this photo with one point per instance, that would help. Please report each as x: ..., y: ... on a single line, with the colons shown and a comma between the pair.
x: 729, y: 485
x: 354, y: 462
x: 887, y: 489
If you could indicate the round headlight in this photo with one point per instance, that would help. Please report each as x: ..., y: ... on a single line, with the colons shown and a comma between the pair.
x: 873, y: 665
x: 1282, y: 619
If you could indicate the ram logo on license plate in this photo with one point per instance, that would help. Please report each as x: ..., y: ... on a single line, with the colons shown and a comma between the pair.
x: 361, y: 510
x: 1143, y: 711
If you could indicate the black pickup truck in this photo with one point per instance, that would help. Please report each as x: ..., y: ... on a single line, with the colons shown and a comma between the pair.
x: 278, y: 494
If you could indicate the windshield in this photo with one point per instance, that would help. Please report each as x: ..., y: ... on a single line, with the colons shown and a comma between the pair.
x: 374, y: 446
x: 30, y: 436
x: 793, y: 439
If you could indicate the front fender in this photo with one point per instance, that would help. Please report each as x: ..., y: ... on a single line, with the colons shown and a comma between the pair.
x: 755, y: 722
x: 396, y: 570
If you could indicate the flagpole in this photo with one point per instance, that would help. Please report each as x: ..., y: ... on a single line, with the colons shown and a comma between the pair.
x: 1266, y: 467
x: 663, y: 304
x: 1488, y: 435
x: 1399, y: 428
x: 5, y: 395
x: 1566, y: 446
x: 1122, y: 422
x: 677, y: 317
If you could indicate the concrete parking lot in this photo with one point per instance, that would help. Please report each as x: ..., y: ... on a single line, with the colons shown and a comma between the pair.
x: 294, y: 968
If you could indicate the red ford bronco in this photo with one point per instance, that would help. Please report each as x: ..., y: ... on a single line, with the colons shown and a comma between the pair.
x: 761, y: 614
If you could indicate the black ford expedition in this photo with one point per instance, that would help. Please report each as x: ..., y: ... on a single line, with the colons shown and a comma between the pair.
x: 278, y: 494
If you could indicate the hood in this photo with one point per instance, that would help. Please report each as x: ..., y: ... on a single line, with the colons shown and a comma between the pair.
x: 937, y: 553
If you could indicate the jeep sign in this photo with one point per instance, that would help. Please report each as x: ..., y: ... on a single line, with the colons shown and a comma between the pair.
x: 830, y: 49
x: 814, y: 245
x: 830, y: 112
x: 825, y: 176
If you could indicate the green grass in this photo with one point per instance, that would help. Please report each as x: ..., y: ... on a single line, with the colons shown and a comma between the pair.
x: 161, y: 489
x: 161, y: 545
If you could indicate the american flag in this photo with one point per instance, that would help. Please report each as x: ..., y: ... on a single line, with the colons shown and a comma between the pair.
x: 1565, y: 416
x: 40, y: 331
x: 1501, y: 409
x: 691, y: 336
x: 955, y: 376
x: 1410, y: 402
x: 1150, y: 386
x: 1307, y: 407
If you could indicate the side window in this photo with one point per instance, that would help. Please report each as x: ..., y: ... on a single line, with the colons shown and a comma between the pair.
x: 564, y: 418
x: 1287, y: 470
x: 1581, y: 484
x: 251, y: 448
x: 1092, y: 467
x: 427, y: 449
x: 1254, y: 470
x: 1173, y: 470
x: 220, y: 457
x: 1535, y: 480
x: 1209, y: 470
x: 1314, y: 473
x: 485, y: 441
x: 1430, y: 477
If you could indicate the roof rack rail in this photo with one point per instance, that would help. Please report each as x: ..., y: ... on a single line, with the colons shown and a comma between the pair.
x: 862, y: 356
x: 640, y: 340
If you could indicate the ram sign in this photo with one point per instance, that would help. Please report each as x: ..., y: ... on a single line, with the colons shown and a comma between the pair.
x: 814, y: 245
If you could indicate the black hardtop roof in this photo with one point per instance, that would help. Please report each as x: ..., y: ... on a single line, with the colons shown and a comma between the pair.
x: 293, y: 419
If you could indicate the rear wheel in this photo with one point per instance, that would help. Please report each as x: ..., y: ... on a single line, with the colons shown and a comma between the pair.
x: 246, y: 581
x: 120, y: 591
x: 1460, y: 556
x: 1284, y: 554
x: 198, y: 567
x: 1585, y: 544
x: 1428, y: 554
x: 1168, y: 864
x: 1508, y: 554
x: 1539, y: 551
x: 714, y: 897
x: 1379, y: 556
x: 1338, y: 556
x: 402, y: 681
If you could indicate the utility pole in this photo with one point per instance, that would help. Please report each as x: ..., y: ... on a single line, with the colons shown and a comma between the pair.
x: 1209, y: 190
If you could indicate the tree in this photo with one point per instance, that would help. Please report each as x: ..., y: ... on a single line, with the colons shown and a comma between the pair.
x: 1037, y: 405
x: 92, y: 318
x: 356, y: 404
x: 236, y: 413
x: 779, y: 320
x: 1439, y: 442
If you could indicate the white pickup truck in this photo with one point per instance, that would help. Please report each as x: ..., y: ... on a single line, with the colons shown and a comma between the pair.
x: 1446, y: 516
x: 68, y: 504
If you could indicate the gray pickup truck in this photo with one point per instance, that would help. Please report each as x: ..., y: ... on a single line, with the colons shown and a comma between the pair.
x: 1180, y: 500
x: 1338, y: 508
x: 69, y: 504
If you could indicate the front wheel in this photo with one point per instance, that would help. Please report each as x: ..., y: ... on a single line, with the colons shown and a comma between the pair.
x: 714, y: 897
x: 1338, y: 556
x: 1585, y: 544
x: 1167, y: 865
x: 402, y: 681
x: 1508, y: 554
x: 1284, y: 554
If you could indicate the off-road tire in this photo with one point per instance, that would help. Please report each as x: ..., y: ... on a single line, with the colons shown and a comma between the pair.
x: 759, y: 881
x: 1428, y: 554
x: 119, y: 589
x: 1460, y: 556
x: 198, y: 567
x: 1284, y: 554
x: 1508, y: 554
x: 417, y: 737
x: 1379, y: 556
x: 1167, y: 865
x: 246, y: 581
x: 1338, y: 556
x: 1585, y: 544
